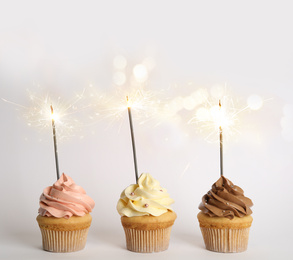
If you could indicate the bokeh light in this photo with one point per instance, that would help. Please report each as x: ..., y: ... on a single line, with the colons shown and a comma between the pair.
x: 140, y: 72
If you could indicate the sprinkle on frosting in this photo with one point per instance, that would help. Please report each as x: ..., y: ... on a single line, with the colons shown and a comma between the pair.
x: 65, y: 199
x: 225, y: 200
x: 148, y: 198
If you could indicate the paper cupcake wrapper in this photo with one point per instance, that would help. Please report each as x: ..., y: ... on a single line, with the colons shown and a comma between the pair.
x: 147, y: 241
x: 225, y: 240
x: 64, y: 241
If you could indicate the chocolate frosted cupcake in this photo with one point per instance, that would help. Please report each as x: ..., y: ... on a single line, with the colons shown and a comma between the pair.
x: 146, y: 215
x: 225, y: 217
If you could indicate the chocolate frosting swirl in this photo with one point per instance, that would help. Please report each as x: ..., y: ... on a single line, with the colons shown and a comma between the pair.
x: 225, y: 200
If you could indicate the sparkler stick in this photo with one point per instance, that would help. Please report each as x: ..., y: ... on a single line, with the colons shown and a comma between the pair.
x: 221, y: 143
x: 55, y: 142
x: 132, y: 139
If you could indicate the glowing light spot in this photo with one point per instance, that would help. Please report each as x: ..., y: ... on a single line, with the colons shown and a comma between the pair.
x: 129, y: 102
x: 189, y: 103
x: 55, y: 116
x: 219, y: 117
x: 119, y: 78
x: 140, y: 72
x: 254, y: 102
x: 120, y: 62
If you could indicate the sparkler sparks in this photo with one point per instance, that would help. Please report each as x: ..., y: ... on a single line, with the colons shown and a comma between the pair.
x: 129, y: 80
x: 209, y: 118
x: 112, y: 107
x: 53, y: 116
x: 38, y: 114
x: 150, y: 107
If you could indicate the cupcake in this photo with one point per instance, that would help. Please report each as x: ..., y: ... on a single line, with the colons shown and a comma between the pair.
x: 146, y: 215
x: 64, y: 217
x: 225, y: 217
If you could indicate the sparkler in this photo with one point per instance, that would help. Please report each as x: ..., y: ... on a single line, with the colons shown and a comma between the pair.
x: 223, y: 116
x: 113, y: 108
x: 215, y: 119
x: 130, y: 80
x: 40, y: 116
x: 132, y: 138
x: 144, y: 102
x: 55, y: 142
x: 37, y: 114
x: 221, y: 143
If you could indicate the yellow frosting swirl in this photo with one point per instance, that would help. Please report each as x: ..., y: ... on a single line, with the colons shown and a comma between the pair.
x: 146, y: 197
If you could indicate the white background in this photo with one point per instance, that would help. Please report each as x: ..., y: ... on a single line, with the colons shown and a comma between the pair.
x: 63, y: 46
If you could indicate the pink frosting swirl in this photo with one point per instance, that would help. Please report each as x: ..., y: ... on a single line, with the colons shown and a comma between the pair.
x: 65, y: 199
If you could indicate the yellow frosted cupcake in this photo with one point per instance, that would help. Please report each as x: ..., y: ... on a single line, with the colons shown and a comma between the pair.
x: 146, y: 215
x: 225, y: 217
x: 64, y: 218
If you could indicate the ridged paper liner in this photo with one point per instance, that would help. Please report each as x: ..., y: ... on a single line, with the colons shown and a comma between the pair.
x: 64, y: 241
x: 225, y: 240
x: 147, y: 241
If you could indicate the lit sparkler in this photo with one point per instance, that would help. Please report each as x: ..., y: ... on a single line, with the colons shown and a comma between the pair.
x: 111, y: 107
x: 53, y: 116
x: 216, y: 118
x: 210, y: 119
x: 131, y: 82
x: 38, y: 114
x: 132, y: 138
x: 221, y: 142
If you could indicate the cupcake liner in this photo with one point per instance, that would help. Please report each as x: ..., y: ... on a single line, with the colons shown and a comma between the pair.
x: 64, y: 235
x: 225, y: 240
x: 64, y: 241
x: 147, y: 241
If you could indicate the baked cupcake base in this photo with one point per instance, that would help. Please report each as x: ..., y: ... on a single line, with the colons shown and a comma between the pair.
x: 147, y: 234
x: 64, y: 235
x: 223, y: 235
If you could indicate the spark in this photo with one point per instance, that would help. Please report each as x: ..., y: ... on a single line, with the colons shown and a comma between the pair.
x: 209, y: 118
x: 145, y: 103
x: 184, y: 170
x: 39, y: 115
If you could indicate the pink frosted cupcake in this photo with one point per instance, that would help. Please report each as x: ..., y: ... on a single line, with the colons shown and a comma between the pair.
x: 64, y: 217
